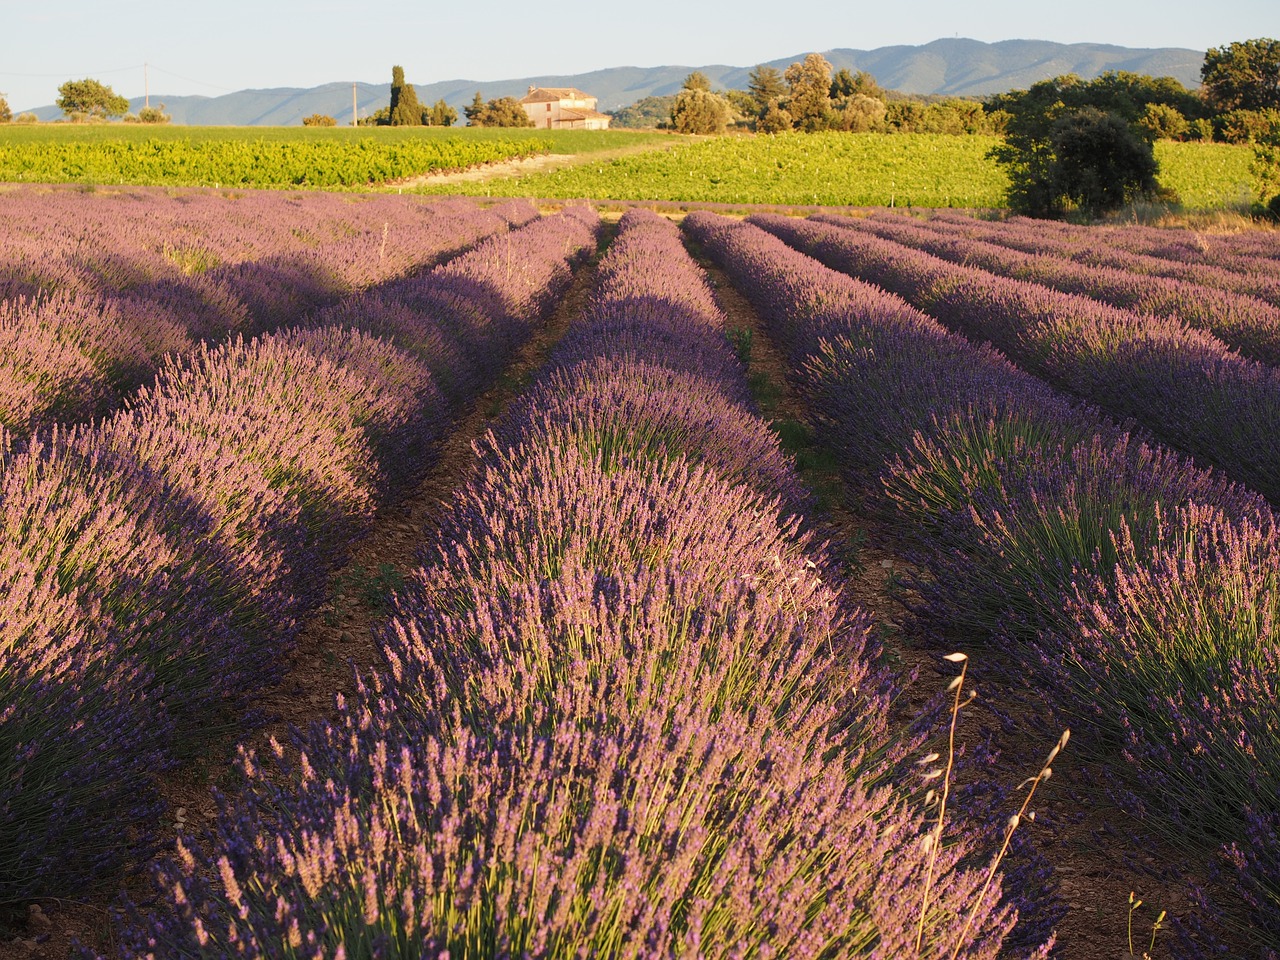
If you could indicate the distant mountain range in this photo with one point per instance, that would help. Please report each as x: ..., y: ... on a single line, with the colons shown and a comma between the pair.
x: 958, y: 67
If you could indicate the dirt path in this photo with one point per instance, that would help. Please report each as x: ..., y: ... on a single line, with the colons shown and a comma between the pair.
x: 338, y: 637
x: 522, y: 166
x: 1094, y: 886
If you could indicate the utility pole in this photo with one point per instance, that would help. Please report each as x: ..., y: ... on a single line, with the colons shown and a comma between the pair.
x: 146, y: 83
x: 355, y: 117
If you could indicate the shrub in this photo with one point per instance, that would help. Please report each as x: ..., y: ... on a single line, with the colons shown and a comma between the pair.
x: 1248, y: 126
x: 1164, y: 122
x: 319, y: 120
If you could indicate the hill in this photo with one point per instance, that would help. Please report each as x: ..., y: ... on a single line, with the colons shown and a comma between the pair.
x: 958, y: 67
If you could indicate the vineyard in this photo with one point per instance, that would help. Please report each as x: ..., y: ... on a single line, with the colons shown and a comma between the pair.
x: 639, y: 692
x: 837, y: 169
x: 239, y: 162
x: 336, y: 158
x: 829, y: 169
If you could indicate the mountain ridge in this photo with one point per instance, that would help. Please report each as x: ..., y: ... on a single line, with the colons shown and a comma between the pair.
x: 955, y: 66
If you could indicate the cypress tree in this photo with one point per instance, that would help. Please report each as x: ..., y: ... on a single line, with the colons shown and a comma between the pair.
x: 397, y: 85
x: 406, y: 111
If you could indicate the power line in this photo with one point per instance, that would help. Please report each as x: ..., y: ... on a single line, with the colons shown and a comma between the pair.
x: 139, y: 66
x: 12, y: 73
x: 192, y: 80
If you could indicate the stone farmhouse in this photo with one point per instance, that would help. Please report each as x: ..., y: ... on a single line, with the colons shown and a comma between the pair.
x: 563, y: 108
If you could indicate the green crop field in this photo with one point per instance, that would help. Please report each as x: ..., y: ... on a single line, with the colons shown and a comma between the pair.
x: 339, y: 157
x: 1207, y: 176
x: 834, y: 169
x: 240, y: 156
x: 840, y: 169
x: 830, y: 169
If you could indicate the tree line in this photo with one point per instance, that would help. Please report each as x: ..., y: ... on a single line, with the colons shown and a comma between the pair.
x: 1236, y: 103
x: 807, y: 96
x: 1088, y: 146
x: 1067, y: 144
x: 404, y: 110
x: 89, y: 101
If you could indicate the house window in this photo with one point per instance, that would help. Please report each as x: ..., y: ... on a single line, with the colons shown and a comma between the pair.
x: 548, y: 108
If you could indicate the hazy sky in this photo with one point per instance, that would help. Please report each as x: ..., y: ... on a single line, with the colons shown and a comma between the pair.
x: 217, y: 47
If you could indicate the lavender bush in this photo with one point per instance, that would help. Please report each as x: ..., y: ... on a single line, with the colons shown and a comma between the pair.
x: 626, y: 713
x: 1114, y: 249
x: 1243, y: 322
x: 1182, y: 384
x: 1138, y: 590
x: 88, y: 314
x: 154, y: 567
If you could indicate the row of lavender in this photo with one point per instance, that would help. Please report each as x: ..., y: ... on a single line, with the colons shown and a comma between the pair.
x: 1141, y: 594
x: 1246, y: 323
x: 99, y: 242
x: 1252, y: 252
x: 625, y: 712
x: 1102, y: 248
x: 1183, y: 385
x: 153, y: 568
x: 87, y: 312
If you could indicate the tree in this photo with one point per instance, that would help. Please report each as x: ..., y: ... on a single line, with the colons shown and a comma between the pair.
x: 1245, y: 126
x: 1266, y: 166
x: 90, y: 97
x: 506, y: 112
x: 1242, y: 76
x: 809, y: 102
x: 1164, y: 122
x: 766, y: 85
x: 647, y: 113
x: 405, y: 110
x: 846, y: 84
x: 319, y: 120
x: 1101, y: 164
x: 697, y: 81
x: 775, y: 119
x: 1117, y: 91
x: 742, y: 108
x: 5, y: 113
x: 947, y: 115
x: 1071, y: 143
x: 860, y: 114
x: 440, y: 114
x: 154, y: 115
x: 697, y: 109
x: 397, y: 86
x: 502, y: 112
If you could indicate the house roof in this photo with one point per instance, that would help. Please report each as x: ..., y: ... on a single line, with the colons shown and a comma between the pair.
x: 577, y: 113
x: 552, y: 94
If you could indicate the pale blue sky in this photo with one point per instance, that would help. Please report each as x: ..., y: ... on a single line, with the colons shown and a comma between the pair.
x: 217, y: 47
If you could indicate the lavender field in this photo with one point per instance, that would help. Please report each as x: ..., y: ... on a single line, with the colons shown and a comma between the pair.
x: 633, y: 696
